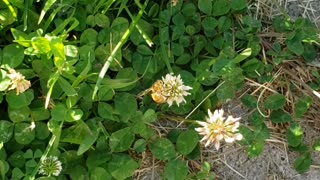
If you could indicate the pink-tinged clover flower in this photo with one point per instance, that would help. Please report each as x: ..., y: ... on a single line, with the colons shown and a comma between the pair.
x: 218, y: 128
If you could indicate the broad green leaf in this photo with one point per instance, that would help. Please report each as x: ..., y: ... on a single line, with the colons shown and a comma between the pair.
x: 90, y: 21
x: 66, y: 87
x: 4, y: 83
x: 253, y: 68
x: 205, y: 6
x: 187, y: 141
x: 144, y: 50
x: 90, y: 137
x: 162, y: 149
x: 303, y: 162
x: 188, y: 9
x: 275, y: 101
x: 6, y: 131
x: 19, y: 114
x: 13, y: 55
x: 57, y: 48
x: 256, y: 118
x: 220, y: 7
x: 249, y: 100
x: 142, y: 32
x: 255, y: 149
x: 21, y: 37
x: 261, y: 132
x: 78, y: 172
x: 99, y: 173
x: 17, y: 173
x: 247, y: 135
x: 41, y: 45
x: 125, y: 104
x: 97, y: 158
x: 295, y: 45
x: 294, y: 135
x: 309, y: 53
x: 58, y: 112
x: 17, y: 160
x: 140, y: 145
x: 42, y: 131
x: 21, y: 100
x: 24, y: 133
x: 280, y: 116
x: 175, y: 170
x: 122, y: 166
x: 130, y: 75
x: 154, y: 10
x: 301, y: 106
x: 105, y: 111
x: 121, y: 140
x: 183, y: 59
x: 209, y: 23
x: 316, y: 145
x: 118, y: 27
x: 226, y: 91
x: 71, y: 50
x: 149, y: 116
x: 73, y: 115
x: 102, y: 20
x: 4, y: 167
x: 177, y: 49
x: 238, y: 4
x: 178, y: 19
x: 103, y: 52
x: 39, y: 114
x: 89, y: 37
x: 105, y: 93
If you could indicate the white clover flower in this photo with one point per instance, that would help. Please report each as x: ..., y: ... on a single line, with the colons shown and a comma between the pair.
x: 18, y: 81
x: 216, y: 128
x: 174, y: 89
x: 50, y: 166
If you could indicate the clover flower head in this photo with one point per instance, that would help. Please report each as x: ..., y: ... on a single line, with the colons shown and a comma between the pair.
x: 218, y: 128
x: 167, y: 90
x: 18, y: 81
x: 50, y: 166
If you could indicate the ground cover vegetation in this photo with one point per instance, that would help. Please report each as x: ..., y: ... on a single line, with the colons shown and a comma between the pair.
x: 82, y: 83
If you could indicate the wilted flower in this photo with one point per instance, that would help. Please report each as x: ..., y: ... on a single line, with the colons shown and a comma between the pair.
x: 169, y: 89
x: 216, y: 128
x: 18, y: 82
x: 50, y: 166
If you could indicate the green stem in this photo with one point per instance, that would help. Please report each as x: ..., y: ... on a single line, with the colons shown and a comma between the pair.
x: 115, y: 50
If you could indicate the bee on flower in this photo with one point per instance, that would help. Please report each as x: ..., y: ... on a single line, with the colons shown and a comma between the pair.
x: 50, y: 166
x: 18, y: 81
x: 218, y: 128
x: 168, y: 90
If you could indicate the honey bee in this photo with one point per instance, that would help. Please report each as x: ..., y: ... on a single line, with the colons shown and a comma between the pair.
x: 157, y: 89
x: 156, y: 92
x: 158, y: 98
